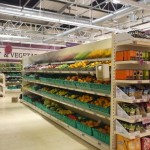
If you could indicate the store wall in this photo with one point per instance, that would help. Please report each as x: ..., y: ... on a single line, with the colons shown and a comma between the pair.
x: 16, y: 51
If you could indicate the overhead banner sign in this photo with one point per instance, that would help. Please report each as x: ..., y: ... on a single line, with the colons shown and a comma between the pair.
x: 17, y: 54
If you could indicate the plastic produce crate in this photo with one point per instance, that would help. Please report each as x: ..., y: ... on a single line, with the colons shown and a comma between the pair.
x: 59, y: 82
x: 43, y: 79
x: 69, y: 121
x: 105, y: 111
x: 69, y: 100
x: 83, y: 86
x: 71, y: 84
x: 39, y: 105
x: 29, y: 77
x: 82, y: 104
x: 57, y: 115
x: 58, y: 97
x: 49, y: 111
x: 84, y: 128
x: 101, y: 136
x: 51, y: 81
x: 103, y: 88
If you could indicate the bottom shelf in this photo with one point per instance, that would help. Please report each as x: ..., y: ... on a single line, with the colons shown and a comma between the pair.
x: 13, y: 90
x: 87, y: 138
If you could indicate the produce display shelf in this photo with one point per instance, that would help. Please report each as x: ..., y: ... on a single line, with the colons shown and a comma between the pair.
x: 89, y: 60
x: 13, y: 76
x: 7, y: 62
x: 10, y: 67
x: 146, y: 133
x: 131, y: 101
x: 69, y: 88
x: 70, y: 72
x: 87, y: 138
x: 13, y: 90
x: 133, y: 81
x: 10, y: 71
x: 133, y: 62
x: 95, y: 113
x: 13, y: 83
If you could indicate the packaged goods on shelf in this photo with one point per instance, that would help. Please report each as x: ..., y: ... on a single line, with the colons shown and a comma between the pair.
x: 133, y: 92
x: 132, y: 74
x: 127, y: 55
x: 127, y: 144
x: 145, y: 141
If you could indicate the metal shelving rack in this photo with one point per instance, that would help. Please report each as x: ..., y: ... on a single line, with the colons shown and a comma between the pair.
x: 118, y: 42
x: 125, y: 41
x: 11, y: 69
x: 44, y: 58
x: 2, y: 84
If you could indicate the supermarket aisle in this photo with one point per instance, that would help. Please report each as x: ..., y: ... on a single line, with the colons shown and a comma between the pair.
x: 23, y: 129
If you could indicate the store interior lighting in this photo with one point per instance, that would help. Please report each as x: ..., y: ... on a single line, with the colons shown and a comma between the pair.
x: 12, y: 36
x: 116, y: 1
x: 56, y: 20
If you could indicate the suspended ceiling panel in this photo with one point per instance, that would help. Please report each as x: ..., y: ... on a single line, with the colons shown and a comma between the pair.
x: 50, y: 5
x: 84, y: 12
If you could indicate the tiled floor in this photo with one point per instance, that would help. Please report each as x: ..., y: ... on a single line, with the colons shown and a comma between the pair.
x: 23, y: 129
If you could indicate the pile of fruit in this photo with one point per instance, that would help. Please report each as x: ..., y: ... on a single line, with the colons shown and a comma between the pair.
x: 81, y: 64
x: 88, y: 78
x: 85, y: 98
x: 102, y: 101
x: 104, y: 129
x: 91, y: 123
x: 62, y: 66
x: 100, y: 53
x: 74, y: 116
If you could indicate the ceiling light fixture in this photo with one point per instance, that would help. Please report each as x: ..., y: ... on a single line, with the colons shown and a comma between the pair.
x: 18, y: 13
x: 116, y: 1
x: 12, y: 36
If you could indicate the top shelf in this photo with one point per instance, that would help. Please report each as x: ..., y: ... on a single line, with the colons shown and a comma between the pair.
x: 90, y: 60
x: 127, y: 39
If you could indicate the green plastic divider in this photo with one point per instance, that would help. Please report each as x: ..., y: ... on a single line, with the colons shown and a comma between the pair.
x: 84, y: 128
x: 100, y: 109
x: 71, y: 84
x: 101, y: 136
x: 83, y: 86
x: 70, y: 122
x: 103, y: 88
x: 82, y: 104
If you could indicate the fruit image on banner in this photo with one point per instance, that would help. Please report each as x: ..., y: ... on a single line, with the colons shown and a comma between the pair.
x: 8, y: 49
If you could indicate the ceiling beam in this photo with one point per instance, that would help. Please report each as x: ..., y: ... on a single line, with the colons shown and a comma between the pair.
x: 81, y: 6
x: 99, y: 20
x: 139, y: 4
x: 64, y: 8
x: 25, y: 4
x: 47, y: 16
x: 36, y: 4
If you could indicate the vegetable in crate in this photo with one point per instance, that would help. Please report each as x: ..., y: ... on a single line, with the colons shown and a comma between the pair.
x: 91, y: 123
x: 102, y: 101
x: 104, y: 129
x: 85, y: 98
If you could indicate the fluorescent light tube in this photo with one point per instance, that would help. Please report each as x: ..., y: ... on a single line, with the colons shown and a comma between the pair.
x: 12, y: 36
